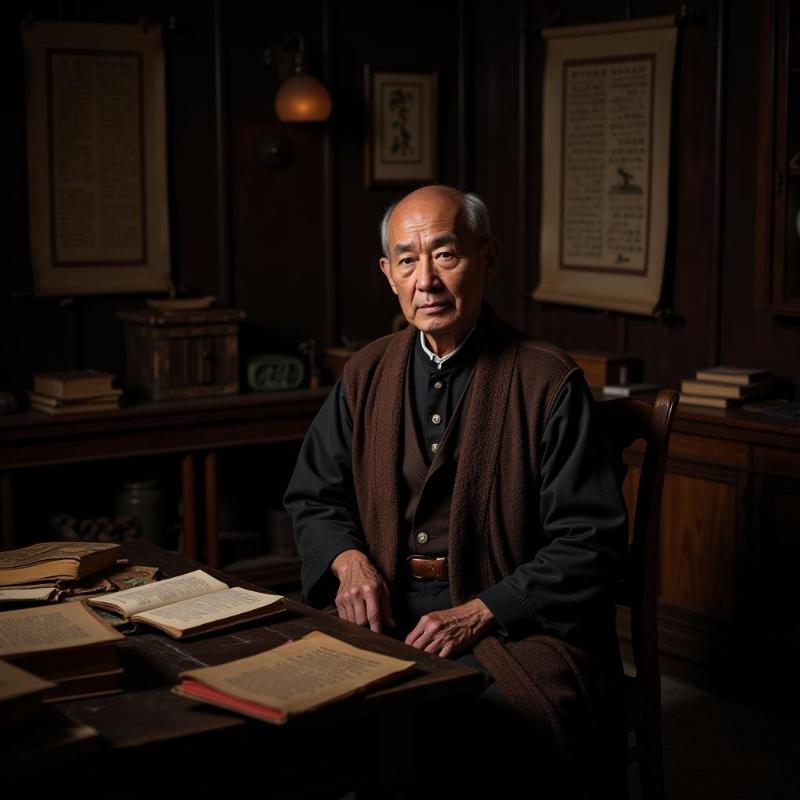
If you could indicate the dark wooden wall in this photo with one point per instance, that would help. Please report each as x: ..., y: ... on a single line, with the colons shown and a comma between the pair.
x: 297, y: 247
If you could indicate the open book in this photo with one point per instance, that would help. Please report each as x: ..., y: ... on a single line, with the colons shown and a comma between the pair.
x: 190, y: 604
x: 292, y: 679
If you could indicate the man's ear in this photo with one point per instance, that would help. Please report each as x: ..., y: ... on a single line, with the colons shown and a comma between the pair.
x: 491, y: 253
x: 386, y: 268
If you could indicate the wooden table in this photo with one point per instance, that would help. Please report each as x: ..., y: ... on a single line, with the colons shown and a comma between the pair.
x: 148, y: 734
x: 195, y: 429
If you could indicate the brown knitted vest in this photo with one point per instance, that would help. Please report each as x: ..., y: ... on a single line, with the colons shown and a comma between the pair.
x: 494, y: 515
x: 494, y: 510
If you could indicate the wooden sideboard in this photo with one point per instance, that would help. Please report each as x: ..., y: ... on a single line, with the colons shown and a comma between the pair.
x: 730, y: 550
x: 194, y: 430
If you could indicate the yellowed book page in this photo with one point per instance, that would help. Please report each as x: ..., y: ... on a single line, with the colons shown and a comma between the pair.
x: 161, y: 593
x: 16, y: 682
x: 209, y: 608
x: 27, y: 594
x: 301, y: 675
x: 33, y: 630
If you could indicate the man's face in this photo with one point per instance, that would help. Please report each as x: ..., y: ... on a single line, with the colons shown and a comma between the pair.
x: 435, y: 268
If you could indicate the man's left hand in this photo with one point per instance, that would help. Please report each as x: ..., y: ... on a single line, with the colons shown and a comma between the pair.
x: 451, y: 631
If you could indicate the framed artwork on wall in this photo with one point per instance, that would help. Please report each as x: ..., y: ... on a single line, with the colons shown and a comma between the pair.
x: 401, y: 132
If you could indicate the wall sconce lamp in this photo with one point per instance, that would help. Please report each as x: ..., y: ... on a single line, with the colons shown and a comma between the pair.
x: 301, y: 97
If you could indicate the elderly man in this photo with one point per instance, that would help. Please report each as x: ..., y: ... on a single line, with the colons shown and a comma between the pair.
x: 453, y: 491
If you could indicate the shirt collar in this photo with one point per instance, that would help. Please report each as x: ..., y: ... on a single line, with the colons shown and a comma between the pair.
x: 440, y: 360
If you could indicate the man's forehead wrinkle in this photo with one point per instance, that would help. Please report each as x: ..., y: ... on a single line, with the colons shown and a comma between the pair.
x: 418, y: 223
x: 437, y: 240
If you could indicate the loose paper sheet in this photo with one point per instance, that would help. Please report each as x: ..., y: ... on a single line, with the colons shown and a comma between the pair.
x: 605, y: 164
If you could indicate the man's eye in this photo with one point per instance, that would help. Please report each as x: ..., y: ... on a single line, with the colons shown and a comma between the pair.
x: 445, y: 255
x: 404, y: 262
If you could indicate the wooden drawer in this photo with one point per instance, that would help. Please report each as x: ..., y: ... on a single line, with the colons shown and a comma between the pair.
x: 708, y: 450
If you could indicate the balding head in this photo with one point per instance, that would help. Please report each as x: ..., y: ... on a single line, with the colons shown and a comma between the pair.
x: 438, y: 258
x: 474, y: 211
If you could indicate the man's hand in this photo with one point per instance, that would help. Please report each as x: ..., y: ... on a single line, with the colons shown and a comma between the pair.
x: 363, y: 596
x: 451, y: 631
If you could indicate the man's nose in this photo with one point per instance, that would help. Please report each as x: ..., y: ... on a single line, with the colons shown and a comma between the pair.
x: 426, y: 277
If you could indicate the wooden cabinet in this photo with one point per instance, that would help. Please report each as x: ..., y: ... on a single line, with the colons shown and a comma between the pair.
x: 194, y: 435
x: 778, y: 208
x: 730, y: 553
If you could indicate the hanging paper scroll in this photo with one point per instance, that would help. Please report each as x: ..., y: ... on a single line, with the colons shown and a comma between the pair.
x: 96, y: 158
x: 605, y: 164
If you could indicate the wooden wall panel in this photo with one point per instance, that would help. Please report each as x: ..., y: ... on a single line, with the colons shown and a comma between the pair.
x: 778, y: 555
x: 490, y: 58
x: 699, y: 544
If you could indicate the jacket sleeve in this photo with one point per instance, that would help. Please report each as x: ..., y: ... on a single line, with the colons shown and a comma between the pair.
x: 569, y: 585
x: 321, y: 498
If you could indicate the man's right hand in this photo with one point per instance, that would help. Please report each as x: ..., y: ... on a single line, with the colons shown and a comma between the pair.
x: 363, y: 596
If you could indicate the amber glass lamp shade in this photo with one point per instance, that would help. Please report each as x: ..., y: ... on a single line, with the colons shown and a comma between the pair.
x: 302, y: 98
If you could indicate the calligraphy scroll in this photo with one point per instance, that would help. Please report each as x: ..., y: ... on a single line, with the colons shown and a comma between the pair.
x: 96, y: 158
x: 605, y: 164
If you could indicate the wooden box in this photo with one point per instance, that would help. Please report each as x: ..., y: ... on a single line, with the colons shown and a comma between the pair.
x: 601, y: 368
x: 173, y: 355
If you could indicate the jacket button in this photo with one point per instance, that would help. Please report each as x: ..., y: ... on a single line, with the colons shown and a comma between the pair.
x: 422, y: 537
x: 436, y: 419
x: 435, y: 447
x: 438, y: 385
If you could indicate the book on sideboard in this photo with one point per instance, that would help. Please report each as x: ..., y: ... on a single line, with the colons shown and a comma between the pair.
x: 71, y: 384
x: 190, y: 605
x: 733, y: 391
x: 708, y: 402
x: 293, y: 678
x: 737, y: 376
x: 628, y: 389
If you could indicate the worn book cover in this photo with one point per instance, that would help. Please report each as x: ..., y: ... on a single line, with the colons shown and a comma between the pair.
x: 708, y: 402
x: 711, y: 389
x: 740, y: 376
x: 73, y: 383
x: 292, y: 679
x: 52, y: 561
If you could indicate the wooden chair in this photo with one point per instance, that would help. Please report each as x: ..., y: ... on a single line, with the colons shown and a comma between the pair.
x: 624, y: 421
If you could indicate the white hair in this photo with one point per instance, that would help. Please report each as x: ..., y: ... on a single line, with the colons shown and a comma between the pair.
x: 475, y: 212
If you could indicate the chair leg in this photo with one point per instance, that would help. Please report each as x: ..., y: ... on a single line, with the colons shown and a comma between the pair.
x: 651, y: 768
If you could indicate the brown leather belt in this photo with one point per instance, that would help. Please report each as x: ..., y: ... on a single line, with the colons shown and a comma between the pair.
x: 428, y: 568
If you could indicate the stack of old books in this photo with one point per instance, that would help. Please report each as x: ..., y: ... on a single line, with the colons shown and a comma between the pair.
x: 66, y: 645
x: 74, y: 392
x: 42, y: 571
x: 726, y: 387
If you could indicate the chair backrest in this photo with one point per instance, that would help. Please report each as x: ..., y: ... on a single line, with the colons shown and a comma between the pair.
x: 624, y: 421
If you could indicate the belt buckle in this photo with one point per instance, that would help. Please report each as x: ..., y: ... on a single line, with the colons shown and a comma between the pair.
x: 425, y: 558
